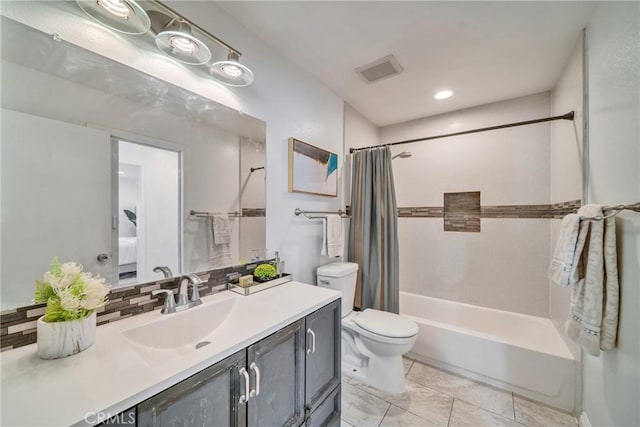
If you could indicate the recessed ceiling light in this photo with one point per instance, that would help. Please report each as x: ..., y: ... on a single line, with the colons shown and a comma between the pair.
x: 443, y: 94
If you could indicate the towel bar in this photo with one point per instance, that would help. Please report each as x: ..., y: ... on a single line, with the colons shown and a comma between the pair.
x: 615, y: 210
x: 207, y: 214
x: 322, y: 214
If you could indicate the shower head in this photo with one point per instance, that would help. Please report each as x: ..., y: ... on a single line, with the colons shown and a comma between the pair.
x: 256, y: 169
x: 403, y: 155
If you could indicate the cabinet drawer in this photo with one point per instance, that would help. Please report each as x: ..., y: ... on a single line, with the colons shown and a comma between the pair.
x: 328, y: 412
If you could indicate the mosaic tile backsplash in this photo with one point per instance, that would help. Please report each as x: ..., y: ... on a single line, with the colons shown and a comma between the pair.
x: 18, y: 326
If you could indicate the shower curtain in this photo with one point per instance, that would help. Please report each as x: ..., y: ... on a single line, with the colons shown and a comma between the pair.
x: 373, y: 237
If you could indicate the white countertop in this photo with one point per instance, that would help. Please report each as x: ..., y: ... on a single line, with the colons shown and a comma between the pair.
x: 113, y: 375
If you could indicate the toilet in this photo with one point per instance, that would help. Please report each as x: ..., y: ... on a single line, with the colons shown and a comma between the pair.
x: 373, y: 341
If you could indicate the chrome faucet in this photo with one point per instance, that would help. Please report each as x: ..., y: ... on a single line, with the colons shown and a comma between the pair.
x: 195, y: 281
x: 166, y: 271
x: 183, y: 303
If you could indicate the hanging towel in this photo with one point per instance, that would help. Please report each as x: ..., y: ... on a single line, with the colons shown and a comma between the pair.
x: 219, y: 254
x: 221, y: 228
x: 565, y: 264
x: 593, y: 313
x: 332, y: 245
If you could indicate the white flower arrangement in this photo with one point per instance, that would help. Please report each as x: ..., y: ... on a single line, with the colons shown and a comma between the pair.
x: 69, y: 292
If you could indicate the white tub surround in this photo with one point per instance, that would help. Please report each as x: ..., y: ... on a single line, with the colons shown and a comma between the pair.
x: 520, y: 353
x: 113, y: 375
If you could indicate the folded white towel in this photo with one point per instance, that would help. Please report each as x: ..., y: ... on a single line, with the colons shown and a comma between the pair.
x: 332, y: 244
x: 593, y: 314
x: 565, y: 264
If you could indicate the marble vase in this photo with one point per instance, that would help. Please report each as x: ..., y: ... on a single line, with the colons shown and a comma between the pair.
x: 62, y: 339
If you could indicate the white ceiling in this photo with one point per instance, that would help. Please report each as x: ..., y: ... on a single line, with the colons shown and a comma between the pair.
x: 483, y: 51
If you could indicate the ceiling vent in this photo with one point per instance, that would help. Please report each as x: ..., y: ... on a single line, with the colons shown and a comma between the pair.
x: 380, y: 69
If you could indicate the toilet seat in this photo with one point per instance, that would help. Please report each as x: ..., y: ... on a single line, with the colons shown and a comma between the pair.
x: 386, y: 324
x: 351, y: 324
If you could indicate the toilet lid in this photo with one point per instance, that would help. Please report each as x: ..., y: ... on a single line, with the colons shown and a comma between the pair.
x: 386, y: 324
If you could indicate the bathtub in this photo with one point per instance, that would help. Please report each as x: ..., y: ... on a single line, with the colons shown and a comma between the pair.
x: 516, y: 352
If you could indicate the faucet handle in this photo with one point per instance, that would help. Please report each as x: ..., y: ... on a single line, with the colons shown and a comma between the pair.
x: 169, y: 301
x: 195, y: 291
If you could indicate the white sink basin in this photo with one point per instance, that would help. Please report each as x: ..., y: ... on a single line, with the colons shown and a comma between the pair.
x: 186, y: 329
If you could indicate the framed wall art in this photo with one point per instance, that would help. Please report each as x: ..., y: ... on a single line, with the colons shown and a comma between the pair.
x: 312, y: 170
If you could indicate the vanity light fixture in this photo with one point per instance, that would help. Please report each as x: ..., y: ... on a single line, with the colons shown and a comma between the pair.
x: 231, y: 72
x: 443, y: 94
x: 125, y: 16
x: 173, y: 34
x: 174, y: 38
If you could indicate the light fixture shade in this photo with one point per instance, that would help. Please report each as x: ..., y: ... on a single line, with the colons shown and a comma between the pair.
x: 231, y: 72
x: 176, y: 40
x: 125, y: 16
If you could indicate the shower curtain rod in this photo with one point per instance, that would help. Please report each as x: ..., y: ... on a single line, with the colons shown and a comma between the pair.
x: 568, y: 116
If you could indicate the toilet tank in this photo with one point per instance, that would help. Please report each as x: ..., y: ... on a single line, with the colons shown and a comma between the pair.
x: 340, y: 276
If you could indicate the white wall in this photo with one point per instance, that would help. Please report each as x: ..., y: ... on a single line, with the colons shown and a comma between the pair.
x: 612, y: 381
x: 252, y: 196
x: 504, y: 266
x: 290, y: 101
x: 358, y: 132
x: 566, y: 166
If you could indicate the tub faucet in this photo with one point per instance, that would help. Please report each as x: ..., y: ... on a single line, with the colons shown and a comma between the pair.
x: 166, y: 271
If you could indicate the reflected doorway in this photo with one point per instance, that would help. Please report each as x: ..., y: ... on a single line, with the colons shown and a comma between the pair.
x: 149, y: 212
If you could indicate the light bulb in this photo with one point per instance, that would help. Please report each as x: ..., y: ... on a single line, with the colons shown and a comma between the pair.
x: 183, y: 44
x: 232, y: 70
x: 117, y: 8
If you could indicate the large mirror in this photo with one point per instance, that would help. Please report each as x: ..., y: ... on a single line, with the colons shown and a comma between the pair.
x: 131, y: 176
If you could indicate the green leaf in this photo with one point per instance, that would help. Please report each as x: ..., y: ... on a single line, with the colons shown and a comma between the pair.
x: 43, y: 292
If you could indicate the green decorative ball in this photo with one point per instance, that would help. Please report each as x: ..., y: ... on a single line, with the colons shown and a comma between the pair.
x: 265, y: 272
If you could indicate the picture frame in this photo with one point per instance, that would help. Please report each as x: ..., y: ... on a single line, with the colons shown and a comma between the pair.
x: 312, y: 170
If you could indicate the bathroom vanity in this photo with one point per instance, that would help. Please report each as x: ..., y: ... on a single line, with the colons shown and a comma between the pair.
x: 273, y: 358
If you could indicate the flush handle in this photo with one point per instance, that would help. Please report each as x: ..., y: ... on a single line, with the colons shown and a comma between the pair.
x: 313, y: 341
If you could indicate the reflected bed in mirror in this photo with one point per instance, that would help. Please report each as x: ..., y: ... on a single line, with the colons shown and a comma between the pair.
x: 102, y: 161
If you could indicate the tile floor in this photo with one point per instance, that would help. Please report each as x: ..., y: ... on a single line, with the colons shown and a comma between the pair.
x: 438, y: 398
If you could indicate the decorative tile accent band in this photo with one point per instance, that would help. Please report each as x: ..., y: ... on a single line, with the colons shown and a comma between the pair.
x: 18, y: 325
x: 421, y: 212
x: 254, y: 212
x: 556, y: 210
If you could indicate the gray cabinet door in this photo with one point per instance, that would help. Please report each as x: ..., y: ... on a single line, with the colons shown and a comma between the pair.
x: 276, y: 364
x: 327, y: 414
x: 323, y: 335
x: 209, y: 398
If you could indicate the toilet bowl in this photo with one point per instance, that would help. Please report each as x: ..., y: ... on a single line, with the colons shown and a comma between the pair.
x: 373, y: 341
